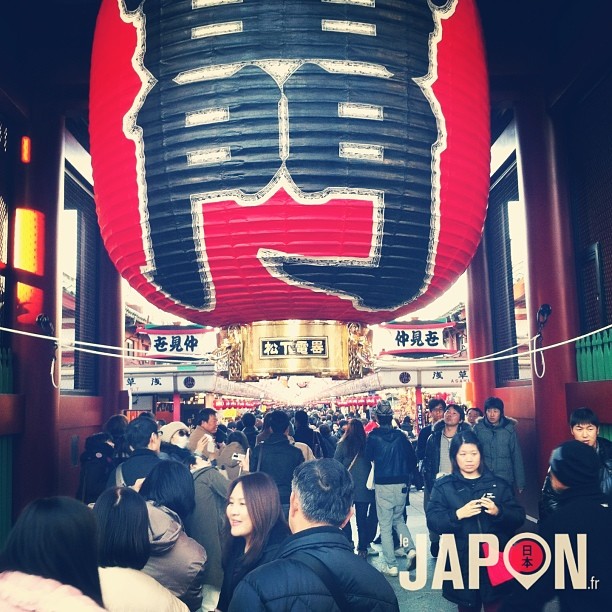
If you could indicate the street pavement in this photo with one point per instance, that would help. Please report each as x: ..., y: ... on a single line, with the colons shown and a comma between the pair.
x: 425, y: 599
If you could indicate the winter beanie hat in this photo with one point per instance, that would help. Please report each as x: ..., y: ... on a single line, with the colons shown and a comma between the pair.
x: 167, y: 431
x: 383, y: 408
x: 575, y: 464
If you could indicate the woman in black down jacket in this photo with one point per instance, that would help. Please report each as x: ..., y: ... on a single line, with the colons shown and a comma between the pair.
x: 256, y: 529
x: 473, y: 500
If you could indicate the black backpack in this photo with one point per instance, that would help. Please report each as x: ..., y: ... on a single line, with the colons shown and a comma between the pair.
x: 96, y: 466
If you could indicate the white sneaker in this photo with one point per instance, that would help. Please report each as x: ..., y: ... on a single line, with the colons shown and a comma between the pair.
x: 411, y: 559
x: 372, y: 552
x: 389, y: 570
x: 400, y: 552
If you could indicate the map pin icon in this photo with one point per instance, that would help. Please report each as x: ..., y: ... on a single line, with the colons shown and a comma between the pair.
x: 527, y: 556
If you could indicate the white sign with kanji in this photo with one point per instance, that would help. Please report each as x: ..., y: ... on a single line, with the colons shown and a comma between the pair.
x: 180, y: 343
x: 397, y: 339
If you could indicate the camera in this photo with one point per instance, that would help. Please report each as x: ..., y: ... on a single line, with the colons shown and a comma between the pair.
x: 238, y: 457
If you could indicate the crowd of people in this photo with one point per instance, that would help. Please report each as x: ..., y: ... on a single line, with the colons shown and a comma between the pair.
x: 255, y: 514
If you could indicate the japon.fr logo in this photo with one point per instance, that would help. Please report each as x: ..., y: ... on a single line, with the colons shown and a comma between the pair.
x: 526, y: 557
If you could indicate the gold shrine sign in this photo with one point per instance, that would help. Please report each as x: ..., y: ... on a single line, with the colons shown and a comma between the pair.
x: 278, y: 348
x: 300, y: 347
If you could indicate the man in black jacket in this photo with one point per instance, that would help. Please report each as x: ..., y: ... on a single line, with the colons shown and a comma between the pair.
x: 145, y: 440
x: 436, y: 461
x: 316, y: 569
x: 435, y: 408
x: 277, y: 457
x: 583, y: 512
x: 304, y: 433
x: 394, y: 461
x: 250, y: 431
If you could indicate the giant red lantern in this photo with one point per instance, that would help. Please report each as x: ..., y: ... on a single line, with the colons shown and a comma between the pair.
x: 289, y: 159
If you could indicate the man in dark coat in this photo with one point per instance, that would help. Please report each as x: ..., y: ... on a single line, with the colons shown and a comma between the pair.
x: 584, y: 427
x: 582, y: 509
x: 436, y: 461
x: 144, y: 440
x: 317, y: 555
x: 394, y: 461
x: 435, y: 408
x: 277, y: 457
x: 250, y: 431
x: 328, y: 441
x: 502, y: 451
x: 304, y: 433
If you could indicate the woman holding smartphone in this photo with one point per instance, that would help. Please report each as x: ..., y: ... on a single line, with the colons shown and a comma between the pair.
x: 256, y: 526
x: 472, y: 500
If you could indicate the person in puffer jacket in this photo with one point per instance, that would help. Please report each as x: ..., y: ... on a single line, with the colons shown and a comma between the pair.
x: 472, y: 500
x: 502, y: 452
x: 584, y: 427
x: 177, y: 561
x: 21, y: 592
x: 321, y: 500
x: 436, y: 462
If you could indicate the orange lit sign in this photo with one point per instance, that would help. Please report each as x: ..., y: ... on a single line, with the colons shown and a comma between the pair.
x: 29, y: 303
x: 26, y: 149
x: 29, y: 252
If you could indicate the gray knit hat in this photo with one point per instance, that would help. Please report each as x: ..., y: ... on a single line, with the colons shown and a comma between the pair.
x: 383, y: 408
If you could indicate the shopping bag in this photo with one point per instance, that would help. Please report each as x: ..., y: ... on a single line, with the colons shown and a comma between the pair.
x: 498, y: 574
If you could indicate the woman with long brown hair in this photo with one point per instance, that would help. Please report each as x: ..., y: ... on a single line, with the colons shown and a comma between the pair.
x: 256, y: 526
x: 350, y: 452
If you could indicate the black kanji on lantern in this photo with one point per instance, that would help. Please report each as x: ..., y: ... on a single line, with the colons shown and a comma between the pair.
x: 238, y: 94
